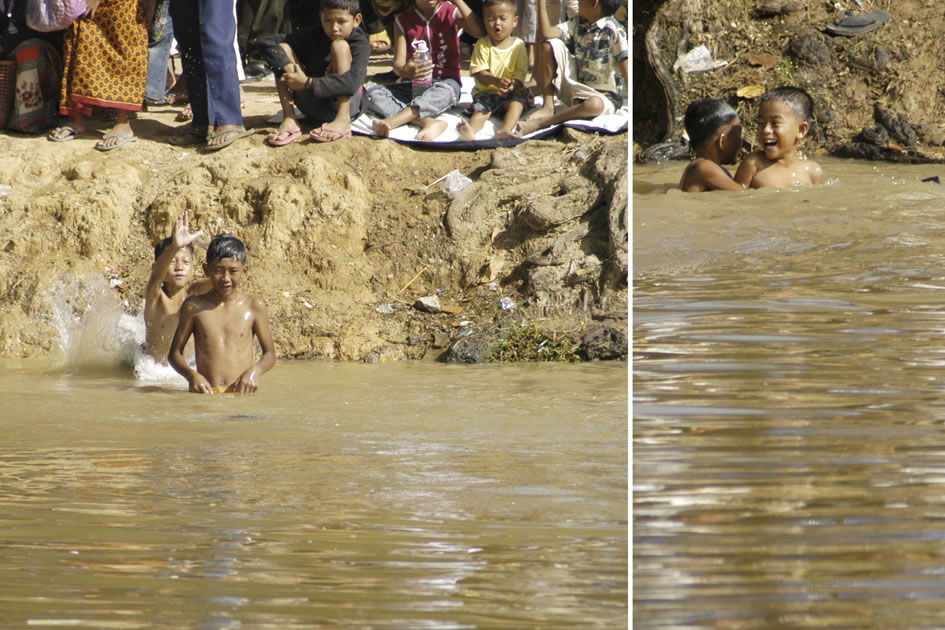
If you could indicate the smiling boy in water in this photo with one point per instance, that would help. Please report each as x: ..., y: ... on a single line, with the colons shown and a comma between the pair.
x: 715, y: 135
x: 784, y: 118
x: 171, y: 283
x: 223, y: 322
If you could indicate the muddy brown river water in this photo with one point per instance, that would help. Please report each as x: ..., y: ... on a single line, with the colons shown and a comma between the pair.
x: 789, y: 402
x: 412, y: 495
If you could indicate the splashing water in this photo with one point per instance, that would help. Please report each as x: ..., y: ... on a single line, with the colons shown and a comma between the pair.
x: 94, y: 330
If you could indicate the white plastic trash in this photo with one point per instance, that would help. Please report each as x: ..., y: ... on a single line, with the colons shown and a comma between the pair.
x: 454, y: 183
x: 699, y: 59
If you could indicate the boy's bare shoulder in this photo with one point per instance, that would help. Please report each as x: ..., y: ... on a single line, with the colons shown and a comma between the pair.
x: 815, y: 172
x: 198, y: 302
x: 257, y: 303
x: 756, y: 157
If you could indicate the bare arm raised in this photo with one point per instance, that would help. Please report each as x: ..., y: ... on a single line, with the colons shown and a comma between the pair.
x: 469, y: 20
x: 181, y: 239
x: 546, y: 29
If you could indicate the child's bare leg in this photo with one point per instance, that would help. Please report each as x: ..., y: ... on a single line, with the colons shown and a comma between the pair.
x: 383, y: 126
x: 590, y: 108
x: 286, y: 100
x: 545, y: 70
x: 430, y: 128
x: 341, y: 62
x: 512, y: 115
x: 468, y: 130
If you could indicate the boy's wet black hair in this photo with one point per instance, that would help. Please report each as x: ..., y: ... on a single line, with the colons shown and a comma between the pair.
x: 163, y: 244
x: 490, y: 3
x: 705, y: 118
x: 226, y: 246
x: 351, y: 6
x: 798, y: 100
x: 609, y: 7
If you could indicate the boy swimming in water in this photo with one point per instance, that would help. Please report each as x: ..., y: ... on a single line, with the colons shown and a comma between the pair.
x: 784, y: 118
x: 223, y: 322
x: 171, y: 283
x: 715, y: 135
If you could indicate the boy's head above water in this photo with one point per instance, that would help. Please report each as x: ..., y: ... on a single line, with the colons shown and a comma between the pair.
x: 226, y: 265
x: 226, y: 246
x: 339, y: 18
x: 710, y: 120
x: 785, y: 115
x: 181, y: 271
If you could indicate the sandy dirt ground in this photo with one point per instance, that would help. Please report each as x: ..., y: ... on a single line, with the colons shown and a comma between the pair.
x: 885, y: 77
x: 343, y: 237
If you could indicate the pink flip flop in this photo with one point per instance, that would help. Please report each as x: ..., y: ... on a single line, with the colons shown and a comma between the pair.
x: 282, y: 138
x: 321, y: 134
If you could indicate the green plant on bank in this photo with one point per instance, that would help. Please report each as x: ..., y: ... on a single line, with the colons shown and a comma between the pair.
x: 785, y: 72
x: 529, y: 342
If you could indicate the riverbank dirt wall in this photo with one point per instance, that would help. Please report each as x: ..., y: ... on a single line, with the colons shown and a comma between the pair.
x: 343, y: 237
x: 877, y: 93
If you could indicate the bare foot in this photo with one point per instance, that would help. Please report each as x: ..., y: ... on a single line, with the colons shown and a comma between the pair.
x: 505, y: 133
x: 431, y: 130
x: 67, y: 133
x: 465, y: 131
x: 289, y: 127
x: 120, y: 133
x: 225, y: 135
x: 527, y: 126
x: 381, y: 128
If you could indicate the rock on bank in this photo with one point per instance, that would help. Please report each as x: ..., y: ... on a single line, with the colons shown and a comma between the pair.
x: 343, y: 238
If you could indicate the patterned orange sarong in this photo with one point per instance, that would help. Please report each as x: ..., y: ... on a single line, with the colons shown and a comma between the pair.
x: 105, y: 59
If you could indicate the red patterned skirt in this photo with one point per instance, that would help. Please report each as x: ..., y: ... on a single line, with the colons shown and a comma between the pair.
x: 105, y: 59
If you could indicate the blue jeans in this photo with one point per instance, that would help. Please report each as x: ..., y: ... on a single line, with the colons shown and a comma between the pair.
x: 387, y: 100
x: 160, y: 39
x: 205, y: 31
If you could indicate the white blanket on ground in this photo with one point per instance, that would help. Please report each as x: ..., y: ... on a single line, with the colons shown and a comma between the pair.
x: 615, y: 123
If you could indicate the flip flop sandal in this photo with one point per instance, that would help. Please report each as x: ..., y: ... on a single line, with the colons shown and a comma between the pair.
x: 124, y: 138
x: 282, y: 138
x: 187, y: 137
x: 852, y: 24
x: 321, y: 134
x: 379, y: 42
x: 235, y: 133
x: 73, y: 134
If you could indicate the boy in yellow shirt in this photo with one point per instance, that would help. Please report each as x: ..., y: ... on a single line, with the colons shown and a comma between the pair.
x: 499, y: 64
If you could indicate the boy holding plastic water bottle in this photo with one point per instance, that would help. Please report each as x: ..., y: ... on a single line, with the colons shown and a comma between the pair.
x: 438, y: 24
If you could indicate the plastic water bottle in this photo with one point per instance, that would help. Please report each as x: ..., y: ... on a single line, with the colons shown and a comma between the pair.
x: 421, y: 54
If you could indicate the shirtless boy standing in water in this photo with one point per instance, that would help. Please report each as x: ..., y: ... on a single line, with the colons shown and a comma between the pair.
x: 223, y: 322
x: 171, y: 283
